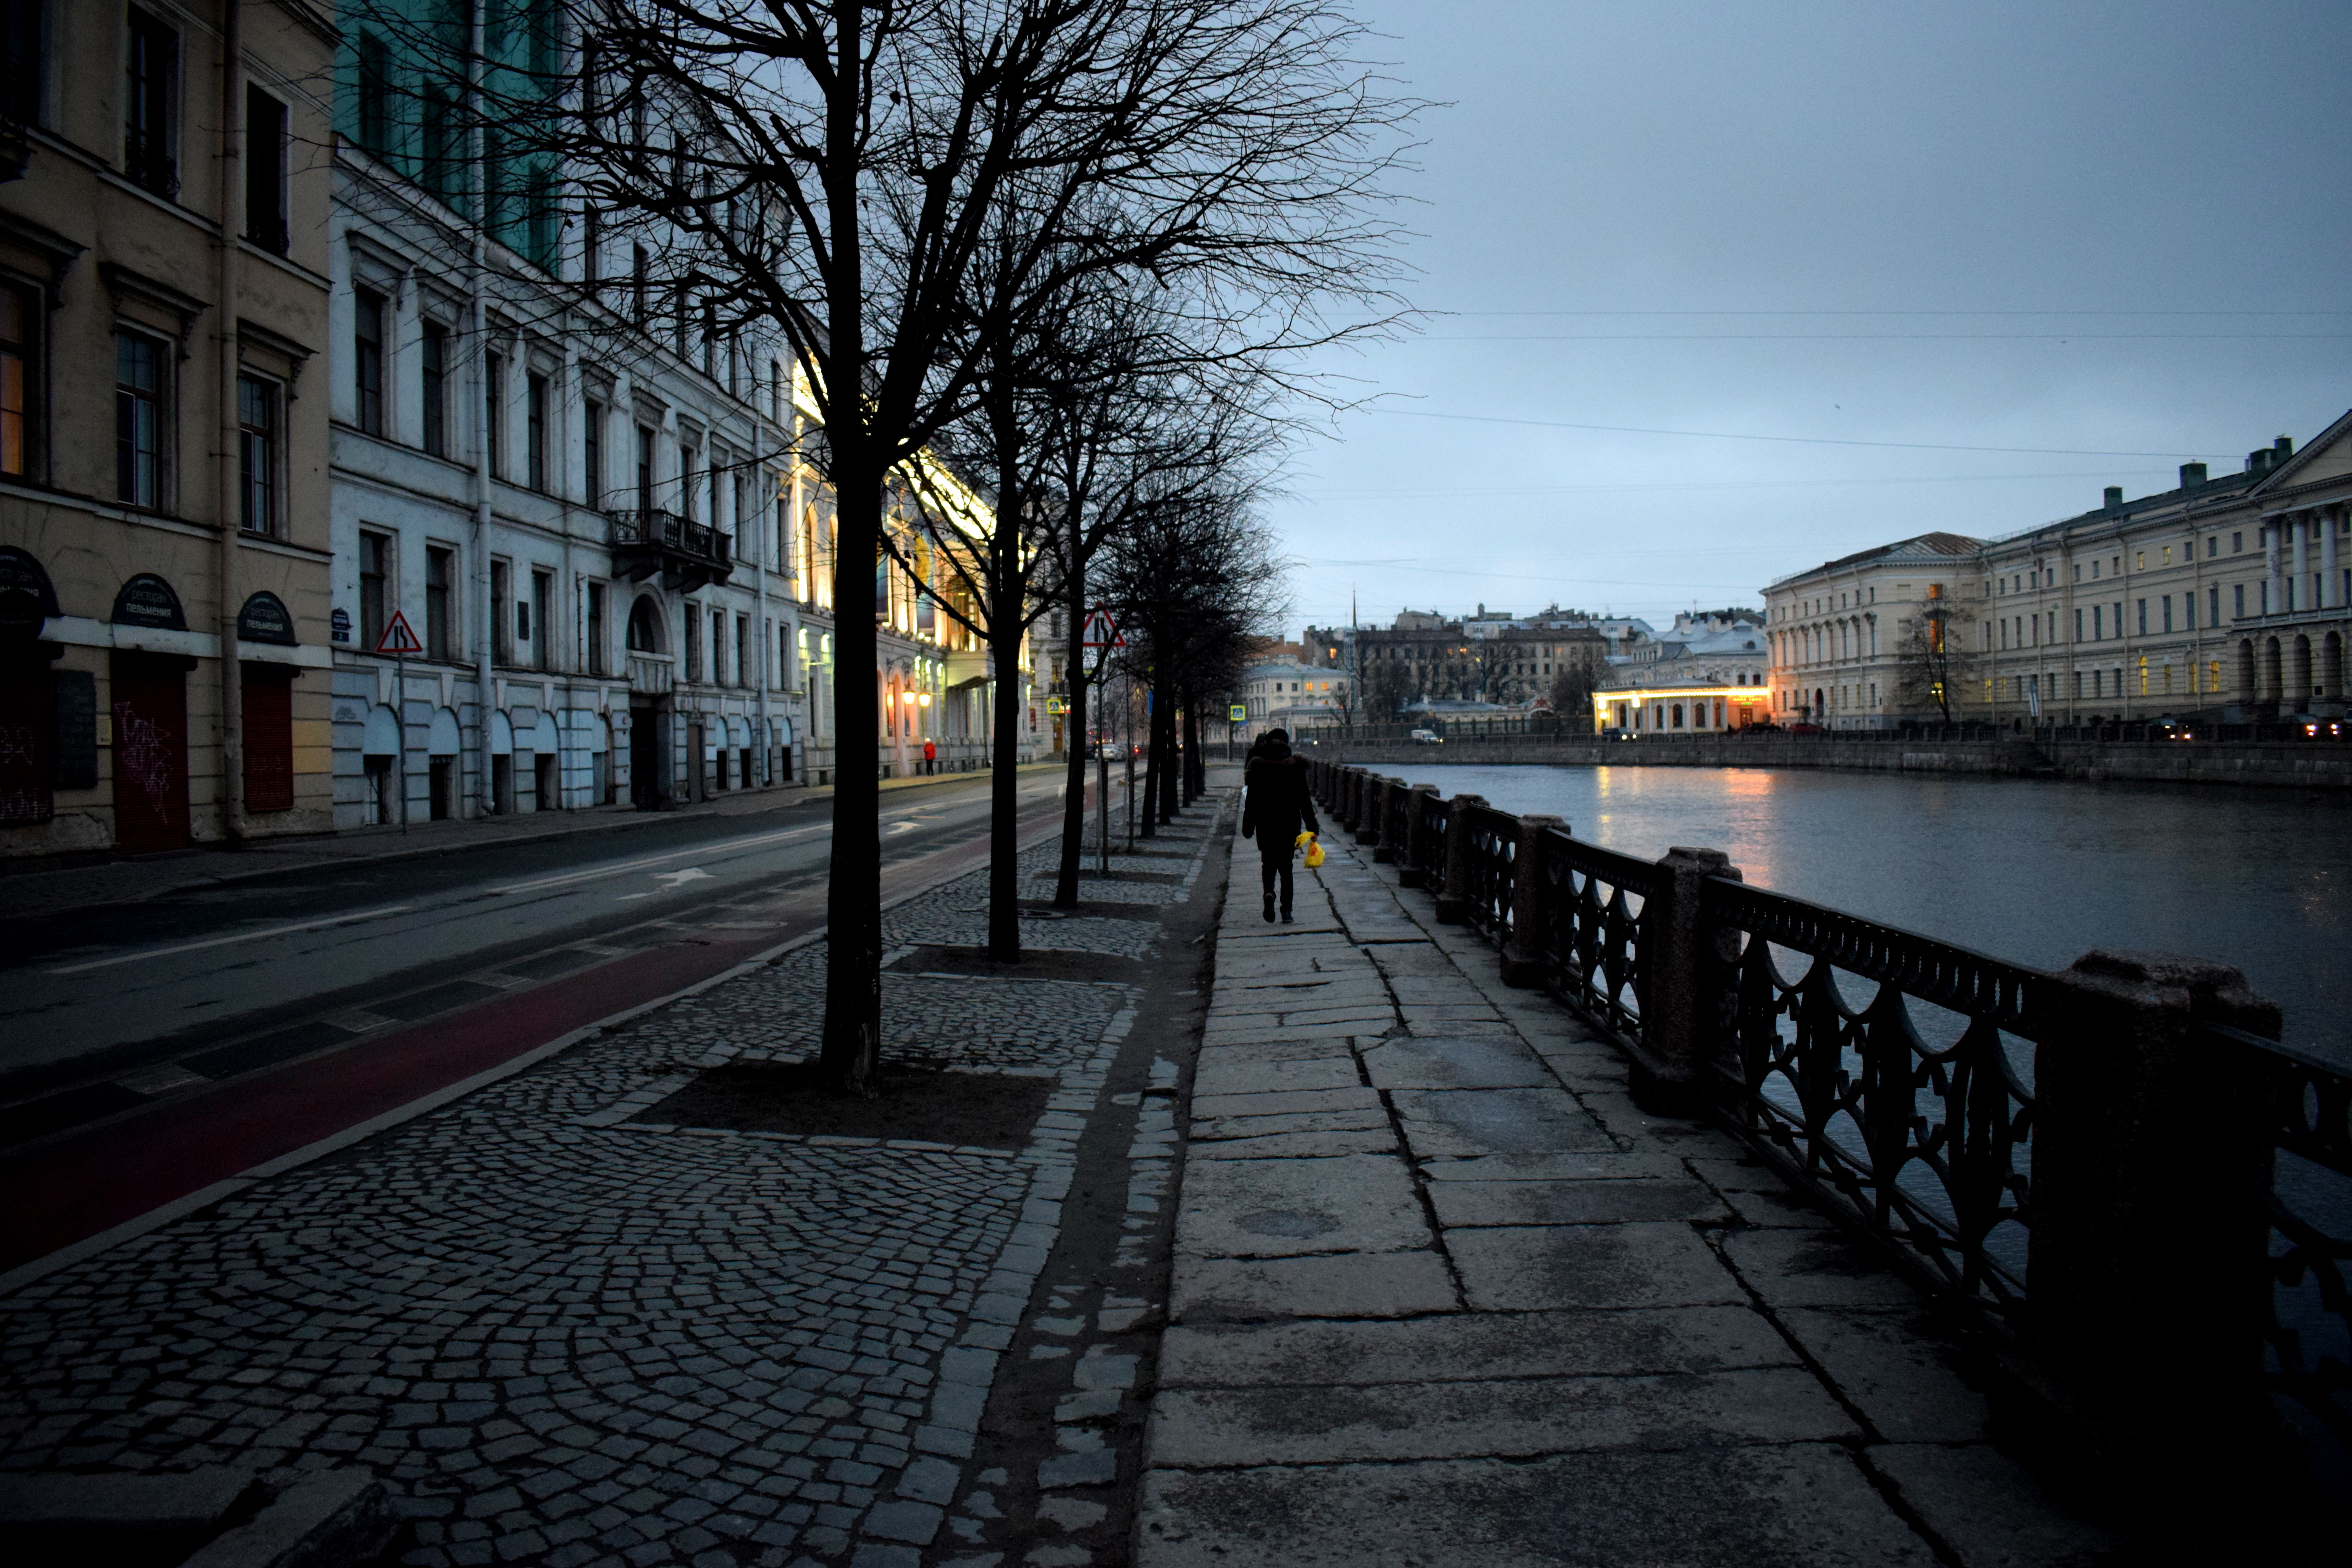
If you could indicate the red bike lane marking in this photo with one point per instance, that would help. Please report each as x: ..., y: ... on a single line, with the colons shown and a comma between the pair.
x: 83, y: 1185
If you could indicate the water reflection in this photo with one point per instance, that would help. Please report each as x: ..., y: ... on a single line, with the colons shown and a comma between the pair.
x: 2037, y: 871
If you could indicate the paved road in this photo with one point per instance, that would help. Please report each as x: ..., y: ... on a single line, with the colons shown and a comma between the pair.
x: 146, y: 1050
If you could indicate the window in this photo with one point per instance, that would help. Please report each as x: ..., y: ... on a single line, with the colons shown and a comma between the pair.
x: 375, y: 557
x: 2188, y: 612
x: 138, y: 420
x: 2166, y: 609
x: 638, y: 265
x: 693, y: 644
x: 596, y: 628
x: 2139, y: 561
x: 2098, y: 616
x: 592, y: 429
x: 375, y: 93
x: 20, y: 67
x: 540, y: 630
x: 2212, y: 545
x: 686, y: 483
x: 501, y: 627
x: 2237, y: 543
x: 644, y: 468
x: 257, y: 440
x: 367, y: 358
x: 718, y: 647
x: 494, y: 420
x: 2214, y: 607
x: 150, y: 105
x: 437, y: 389
x: 440, y: 568
x: 18, y: 314
x: 2078, y: 626
x: 535, y: 429
x: 2167, y: 556
x: 265, y: 170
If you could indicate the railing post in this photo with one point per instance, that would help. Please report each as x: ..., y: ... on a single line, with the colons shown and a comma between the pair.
x: 2148, y: 1254
x: 1523, y: 955
x: 1415, y: 854
x: 1370, y: 809
x: 1453, y: 898
x: 1385, y: 819
x: 1684, y: 1031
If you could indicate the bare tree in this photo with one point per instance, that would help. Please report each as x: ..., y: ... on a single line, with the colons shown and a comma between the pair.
x: 1933, y: 662
x: 829, y: 169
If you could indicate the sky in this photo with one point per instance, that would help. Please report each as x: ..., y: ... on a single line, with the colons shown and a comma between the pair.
x: 2115, y: 236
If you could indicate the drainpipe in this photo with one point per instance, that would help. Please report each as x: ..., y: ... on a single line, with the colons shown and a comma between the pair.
x: 485, y: 798
x: 232, y: 676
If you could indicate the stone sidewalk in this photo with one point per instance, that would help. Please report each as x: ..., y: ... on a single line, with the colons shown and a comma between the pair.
x: 570, y: 1321
x: 1444, y: 1294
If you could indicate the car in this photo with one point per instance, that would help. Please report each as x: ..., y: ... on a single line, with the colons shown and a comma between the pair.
x: 1427, y: 738
x: 1614, y: 734
x: 1807, y: 729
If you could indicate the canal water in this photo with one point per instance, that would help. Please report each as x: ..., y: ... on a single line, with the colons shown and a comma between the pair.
x: 2035, y: 871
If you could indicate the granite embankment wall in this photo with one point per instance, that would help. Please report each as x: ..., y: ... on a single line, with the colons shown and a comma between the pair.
x: 2274, y: 764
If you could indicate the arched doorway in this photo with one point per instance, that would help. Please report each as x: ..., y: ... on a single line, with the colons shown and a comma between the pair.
x: 2271, y: 683
x: 2247, y: 691
x: 645, y: 625
x: 2299, y: 693
x: 2331, y: 667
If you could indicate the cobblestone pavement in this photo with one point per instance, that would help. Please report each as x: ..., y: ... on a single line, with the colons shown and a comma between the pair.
x: 561, y: 1335
x: 1444, y: 1294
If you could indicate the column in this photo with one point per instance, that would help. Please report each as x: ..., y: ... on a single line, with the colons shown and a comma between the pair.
x: 2331, y: 594
x: 2300, y: 596
x: 2276, y: 591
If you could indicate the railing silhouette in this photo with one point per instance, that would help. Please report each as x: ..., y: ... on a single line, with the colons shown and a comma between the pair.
x: 2113, y: 1169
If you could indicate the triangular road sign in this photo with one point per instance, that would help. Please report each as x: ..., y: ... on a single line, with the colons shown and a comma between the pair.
x: 1101, y: 631
x: 399, y: 641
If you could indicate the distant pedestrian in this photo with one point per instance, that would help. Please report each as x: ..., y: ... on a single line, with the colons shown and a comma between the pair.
x: 930, y: 756
x: 1275, y: 809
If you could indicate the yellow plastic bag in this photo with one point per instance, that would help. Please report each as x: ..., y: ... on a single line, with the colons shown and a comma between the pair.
x: 1313, y: 850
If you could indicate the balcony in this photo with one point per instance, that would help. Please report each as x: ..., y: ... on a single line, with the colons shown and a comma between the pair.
x: 685, y: 554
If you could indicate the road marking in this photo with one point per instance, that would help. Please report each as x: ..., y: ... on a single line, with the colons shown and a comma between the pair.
x: 678, y: 879
x: 161, y: 1080
x: 225, y: 941
x: 703, y: 851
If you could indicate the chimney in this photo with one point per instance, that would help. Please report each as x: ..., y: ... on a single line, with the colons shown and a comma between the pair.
x: 2115, y: 497
x: 2281, y: 449
x: 2257, y: 461
x: 2192, y: 474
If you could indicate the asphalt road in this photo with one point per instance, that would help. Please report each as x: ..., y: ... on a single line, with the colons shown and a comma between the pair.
x: 110, y: 1012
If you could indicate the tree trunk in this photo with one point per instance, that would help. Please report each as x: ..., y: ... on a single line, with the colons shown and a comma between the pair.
x: 1004, y: 776
x: 1166, y: 741
x: 1074, y: 795
x: 1148, y: 820
x: 852, y: 1049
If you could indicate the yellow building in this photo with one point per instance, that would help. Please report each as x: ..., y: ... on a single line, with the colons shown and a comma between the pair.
x: 164, y: 549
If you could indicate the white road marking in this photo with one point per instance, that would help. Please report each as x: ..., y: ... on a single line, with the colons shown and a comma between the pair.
x: 623, y: 867
x: 678, y: 879
x: 225, y: 941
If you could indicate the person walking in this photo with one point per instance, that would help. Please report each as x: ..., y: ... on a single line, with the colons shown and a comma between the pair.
x: 1275, y: 809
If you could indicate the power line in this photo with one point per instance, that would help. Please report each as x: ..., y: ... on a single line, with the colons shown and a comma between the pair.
x: 1874, y: 337
x: 2068, y: 313
x: 1378, y: 492
x: 1800, y: 440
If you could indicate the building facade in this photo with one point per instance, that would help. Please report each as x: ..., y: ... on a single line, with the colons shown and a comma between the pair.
x: 583, y: 553
x: 1488, y: 658
x: 1285, y: 695
x: 164, y: 543
x: 1709, y: 672
x: 2228, y: 598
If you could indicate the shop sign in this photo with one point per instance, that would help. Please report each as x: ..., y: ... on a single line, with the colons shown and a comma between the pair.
x: 264, y: 619
x: 148, y: 600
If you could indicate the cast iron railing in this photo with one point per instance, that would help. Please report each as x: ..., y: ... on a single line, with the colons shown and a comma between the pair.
x: 1890, y: 1076
x: 2307, y: 1113
x: 1492, y: 845
x: 1594, y: 944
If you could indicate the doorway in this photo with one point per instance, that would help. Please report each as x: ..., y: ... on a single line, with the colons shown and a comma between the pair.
x: 544, y: 790
x: 645, y: 784
x: 150, y: 751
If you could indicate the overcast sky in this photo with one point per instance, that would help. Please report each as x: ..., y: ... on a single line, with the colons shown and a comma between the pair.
x: 2088, y: 229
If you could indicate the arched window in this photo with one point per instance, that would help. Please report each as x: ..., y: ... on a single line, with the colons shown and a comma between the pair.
x: 645, y: 625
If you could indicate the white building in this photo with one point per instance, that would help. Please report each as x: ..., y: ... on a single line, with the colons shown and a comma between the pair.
x: 1285, y: 695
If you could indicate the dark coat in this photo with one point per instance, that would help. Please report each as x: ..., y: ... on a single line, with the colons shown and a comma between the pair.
x: 1277, y: 809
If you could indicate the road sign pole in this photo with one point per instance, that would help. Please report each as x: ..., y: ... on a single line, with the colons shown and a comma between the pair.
x: 400, y: 730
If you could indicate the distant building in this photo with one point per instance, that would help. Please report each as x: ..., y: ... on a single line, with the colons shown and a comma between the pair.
x: 2230, y: 597
x: 1709, y: 672
x: 1287, y: 694
x: 1490, y: 657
